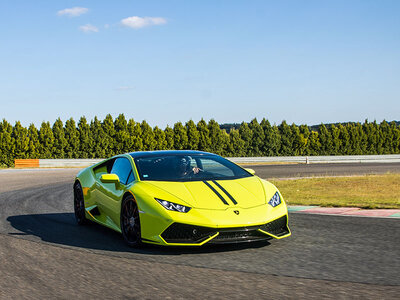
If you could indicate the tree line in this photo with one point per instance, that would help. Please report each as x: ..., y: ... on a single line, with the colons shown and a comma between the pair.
x: 104, y: 138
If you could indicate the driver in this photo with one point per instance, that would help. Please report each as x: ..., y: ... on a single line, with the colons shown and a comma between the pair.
x: 184, y: 168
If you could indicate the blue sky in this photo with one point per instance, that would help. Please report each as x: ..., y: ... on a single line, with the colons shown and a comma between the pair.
x: 167, y: 61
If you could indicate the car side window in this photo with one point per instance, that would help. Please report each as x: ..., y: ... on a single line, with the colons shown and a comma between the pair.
x: 215, y: 167
x: 123, y: 168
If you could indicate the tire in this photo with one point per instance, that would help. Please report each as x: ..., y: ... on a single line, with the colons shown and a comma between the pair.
x: 130, y: 222
x: 79, y: 205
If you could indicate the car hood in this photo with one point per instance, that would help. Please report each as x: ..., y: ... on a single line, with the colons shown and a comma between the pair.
x: 212, y: 194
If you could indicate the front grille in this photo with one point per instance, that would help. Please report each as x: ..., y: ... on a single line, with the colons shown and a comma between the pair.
x: 277, y: 227
x: 191, y: 234
x: 237, y: 235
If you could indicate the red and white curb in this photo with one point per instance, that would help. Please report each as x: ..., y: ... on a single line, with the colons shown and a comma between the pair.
x: 346, y: 211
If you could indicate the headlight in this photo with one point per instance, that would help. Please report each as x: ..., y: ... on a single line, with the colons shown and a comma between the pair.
x: 275, y: 200
x: 173, y: 206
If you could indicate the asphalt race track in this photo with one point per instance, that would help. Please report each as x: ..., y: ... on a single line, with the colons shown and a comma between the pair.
x: 44, y: 254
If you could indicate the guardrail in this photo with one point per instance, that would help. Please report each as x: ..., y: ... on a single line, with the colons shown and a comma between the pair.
x: 387, y: 158
x: 67, y: 163
x: 76, y: 163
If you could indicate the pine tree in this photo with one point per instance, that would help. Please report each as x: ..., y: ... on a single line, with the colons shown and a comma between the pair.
x: 225, y: 141
x: 355, y: 139
x: 109, y: 135
x: 218, y: 143
x: 72, y: 137
x: 204, y: 136
x: 300, y: 136
x: 169, y: 138
x: 258, y: 137
x: 236, y: 144
x: 277, y: 141
x: 135, y: 136
x: 336, y: 143
x: 395, y: 133
x: 271, y: 141
x: 159, y: 137
x: 180, y: 136
x: 344, y: 138
x: 367, y: 131
x: 121, y: 135
x: 34, y: 144
x: 7, y: 144
x: 60, y: 142
x: 314, y: 147
x: 286, y: 139
x: 46, y: 139
x: 325, y: 139
x: 97, y: 135
x: 149, y: 143
x: 193, y: 135
x: 21, y: 141
x: 85, y: 139
x: 362, y: 138
x: 373, y: 137
x: 385, y: 138
x: 246, y: 135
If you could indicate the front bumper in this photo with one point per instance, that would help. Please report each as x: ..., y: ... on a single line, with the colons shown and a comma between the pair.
x: 185, y: 234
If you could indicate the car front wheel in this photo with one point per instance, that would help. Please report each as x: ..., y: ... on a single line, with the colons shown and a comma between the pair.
x: 130, y: 222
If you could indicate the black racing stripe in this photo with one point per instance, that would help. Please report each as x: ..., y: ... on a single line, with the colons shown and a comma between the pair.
x: 216, y: 192
x: 225, y: 191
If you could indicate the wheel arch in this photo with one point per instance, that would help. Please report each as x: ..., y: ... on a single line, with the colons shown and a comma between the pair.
x: 129, y: 193
x: 77, y: 180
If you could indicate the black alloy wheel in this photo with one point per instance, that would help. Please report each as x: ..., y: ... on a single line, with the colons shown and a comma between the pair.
x: 130, y: 222
x: 79, y: 204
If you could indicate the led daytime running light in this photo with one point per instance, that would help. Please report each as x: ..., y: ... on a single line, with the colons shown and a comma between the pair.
x: 173, y: 206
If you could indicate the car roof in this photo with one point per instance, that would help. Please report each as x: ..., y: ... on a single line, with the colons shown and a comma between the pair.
x: 140, y: 154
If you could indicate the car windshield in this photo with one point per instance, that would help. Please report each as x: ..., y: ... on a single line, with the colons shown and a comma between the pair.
x: 183, y: 167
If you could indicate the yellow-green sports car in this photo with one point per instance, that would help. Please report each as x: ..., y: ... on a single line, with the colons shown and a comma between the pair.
x: 179, y: 198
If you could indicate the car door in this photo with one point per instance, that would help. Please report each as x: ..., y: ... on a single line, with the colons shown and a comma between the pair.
x: 110, y: 195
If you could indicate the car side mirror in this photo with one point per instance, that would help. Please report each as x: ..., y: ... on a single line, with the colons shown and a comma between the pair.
x: 251, y: 171
x: 109, y: 178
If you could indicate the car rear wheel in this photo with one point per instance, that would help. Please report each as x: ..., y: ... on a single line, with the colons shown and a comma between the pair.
x: 79, y: 204
x: 130, y: 222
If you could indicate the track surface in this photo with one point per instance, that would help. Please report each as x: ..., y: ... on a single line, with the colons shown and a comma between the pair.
x: 43, y: 253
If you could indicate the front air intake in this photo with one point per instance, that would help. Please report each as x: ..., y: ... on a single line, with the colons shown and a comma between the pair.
x: 277, y: 227
x: 188, y: 234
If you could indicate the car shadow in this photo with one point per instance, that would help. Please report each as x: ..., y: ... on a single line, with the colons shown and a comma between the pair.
x: 61, y: 228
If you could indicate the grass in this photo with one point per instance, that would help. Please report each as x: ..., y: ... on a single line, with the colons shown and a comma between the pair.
x: 368, y: 191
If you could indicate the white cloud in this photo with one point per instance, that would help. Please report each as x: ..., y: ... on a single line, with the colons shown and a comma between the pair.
x: 73, y: 12
x: 88, y: 28
x: 140, y: 22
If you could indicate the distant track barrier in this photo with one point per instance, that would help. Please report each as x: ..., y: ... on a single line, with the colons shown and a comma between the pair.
x: 80, y: 163
x: 27, y: 163
x: 389, y: 158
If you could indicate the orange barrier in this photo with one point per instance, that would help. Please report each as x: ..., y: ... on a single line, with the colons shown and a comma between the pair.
x: 26, y: 163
